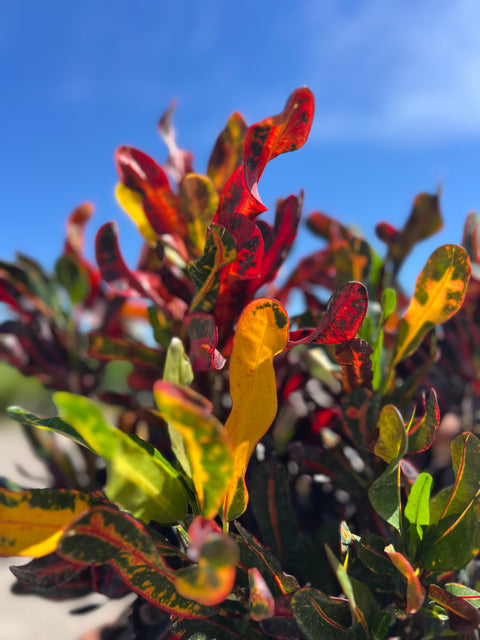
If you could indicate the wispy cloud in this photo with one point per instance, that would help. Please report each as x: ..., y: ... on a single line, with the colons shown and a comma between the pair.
x: 396, y: 70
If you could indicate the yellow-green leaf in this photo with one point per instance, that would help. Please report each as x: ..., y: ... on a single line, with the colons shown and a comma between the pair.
x: 132, y: 203
x: 439, y: 294
x: 262, y: 332
x: 139, y: 478
x: 207, y: 444
x: 32, y: 522
x: 392, y: 436
x: 198, y: 202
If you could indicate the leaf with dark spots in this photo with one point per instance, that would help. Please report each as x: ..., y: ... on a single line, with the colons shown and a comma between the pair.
x: 263, y: 142
x: 203, y: 336
x: 278, y: 241
x: 141, y: 174
x: 104, y: 535
x: 220, y: 250
x: 104, y: 348
x: 341, y: 321
x: 179, y: 161
x: 354, y: 358
x: 250, y: 248
x: 227, y: 154
x: 198, y: 204
x: 115, y: 271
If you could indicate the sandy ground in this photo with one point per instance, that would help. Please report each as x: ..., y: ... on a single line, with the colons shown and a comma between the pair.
x: 30, y: 617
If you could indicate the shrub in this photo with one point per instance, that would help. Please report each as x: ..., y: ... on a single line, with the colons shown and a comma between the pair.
x: 261, y: 476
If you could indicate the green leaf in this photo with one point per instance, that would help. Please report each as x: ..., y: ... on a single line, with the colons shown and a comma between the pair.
x: 74, y: 277
x: 55, y: 424
x: 253, y: 554
x: 453, y: 543
x: 389, y: 304
x: 177, y: 366
x: 179, y: 371
x: 32, y: 522
x: 461, y: 591
x: 439, y: 293
x: 466, y: 465
x: 220, y: 250
x: 207, y: 444
x: 417, y: 509
x: 104, y: 535
x: 392, y: 435
x: 385, y: 496
x: 320, y: 616
x: 138, y: 477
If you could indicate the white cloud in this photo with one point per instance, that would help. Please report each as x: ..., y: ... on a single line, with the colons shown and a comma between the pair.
x: 397, y: 70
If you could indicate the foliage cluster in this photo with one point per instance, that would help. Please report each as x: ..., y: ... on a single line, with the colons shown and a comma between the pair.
x: 255, y: 475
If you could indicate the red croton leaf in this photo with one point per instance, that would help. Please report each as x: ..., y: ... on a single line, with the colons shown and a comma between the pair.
x: 264, y: 141
x: 203, y: 336
x: 141, y: 174
x: 126, y: 282
x: 340, y: 322
x: 354, y: 358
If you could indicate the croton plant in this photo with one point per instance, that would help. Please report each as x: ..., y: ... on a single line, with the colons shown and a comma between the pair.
x: 256, y: 474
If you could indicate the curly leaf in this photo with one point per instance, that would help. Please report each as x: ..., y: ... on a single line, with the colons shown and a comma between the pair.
x: 104, y: 535
x: 439, y: 294
x: 264, y: 141
x: 262, y: 332
x: 32, y: 522
x: 207, y: 445
x: 138, y: 477
x: 261, y: 602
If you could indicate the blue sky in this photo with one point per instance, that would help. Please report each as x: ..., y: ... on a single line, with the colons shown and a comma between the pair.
x: 397, y: 104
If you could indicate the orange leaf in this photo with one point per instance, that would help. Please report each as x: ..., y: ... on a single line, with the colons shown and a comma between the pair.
x: 262, y: 332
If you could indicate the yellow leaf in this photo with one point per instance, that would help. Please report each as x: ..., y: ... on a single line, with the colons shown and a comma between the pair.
x: 32, y: 522
x: 439, y: 294
x: 132, y: 203
x: 262, y: 332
